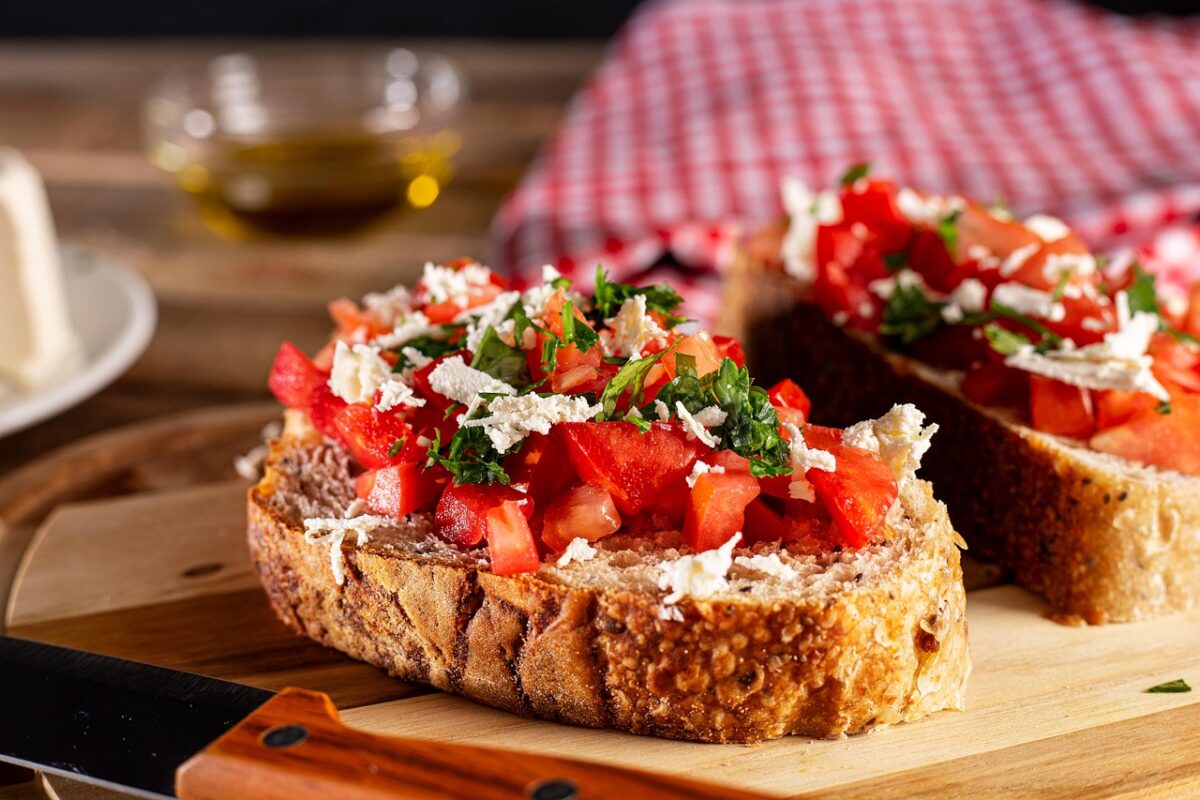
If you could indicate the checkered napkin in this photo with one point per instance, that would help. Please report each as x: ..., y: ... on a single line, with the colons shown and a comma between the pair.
x: 702, y: 106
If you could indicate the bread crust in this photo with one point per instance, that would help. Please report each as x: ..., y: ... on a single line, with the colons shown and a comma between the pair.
x: 1101, y: 539
x: 730, y: 671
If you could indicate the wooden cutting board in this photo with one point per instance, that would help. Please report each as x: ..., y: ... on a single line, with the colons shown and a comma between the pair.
x: 132, y: 545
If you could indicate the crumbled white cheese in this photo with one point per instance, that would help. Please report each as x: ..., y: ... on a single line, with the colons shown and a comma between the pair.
x: 491, y: 315
x: 900, y: 439
x: 332, y: 532
x: 970, y: 295
x: 358, y: 372
x: 387, y: 306
x: 1047, y: 228
x: 1059, y: 264
x: 579, y: 549
x: 702, y: 468
x: 416, y: 357
x: 696, y: 425
x: 1094, y: 324
x: 699, y: 576
x: 249, y: 466
x: 806, y: 211
x: 1123, y: 315
x: 1119, y: 362
x: 660, y: 408
x: 978, y: 252
x: 883, y: 288
x: 670, y: 613
x: 446, y: 285
x: 1027, y: 300
x: 454, y: 379
x: 406, y: 328
x: 631, y: 329
x: 769, y: 564
x: 927, y: 210
x: 952, y: 313
x: 1017, y: 258
x: 395, y: 392
x: 357, y: 508
x: 805, y: 458
x: 510, y: 419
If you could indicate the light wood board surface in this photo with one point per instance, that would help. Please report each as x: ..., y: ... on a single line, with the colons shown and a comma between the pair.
x: 162, y: 575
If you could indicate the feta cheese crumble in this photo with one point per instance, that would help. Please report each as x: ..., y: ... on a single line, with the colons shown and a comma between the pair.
x: 698, y: 576
x: 928, y: 210
x: 395, y: 392
x: 405, y: 329
x: 332, y: 532
x: 631, y: 330
x: 900, y: 439
x: 492, y: 315
x: 805, y: 458
x: 1047, y: 228
x: 358, y: 372
x: 454, y: 379
x: 511, y: 418
x: 579, y: 549
x: 696, y: 425
x: 768, y: 565
x: 1017, y: 258
x: 702, y: 468
x: 806, y: 211
x: 1032, y: 302
x: 446, y: 285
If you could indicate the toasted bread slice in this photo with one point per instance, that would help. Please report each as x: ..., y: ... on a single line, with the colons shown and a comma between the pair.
x: 1103, y: 539
x: 851, y: 641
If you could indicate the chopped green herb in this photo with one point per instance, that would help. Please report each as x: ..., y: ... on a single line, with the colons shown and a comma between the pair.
x: 635, y: 416
x: 909, y: 315
x: 1177, y: 686
x: 895, y: 261
x: 1164, y: 407
x: 1061, y: 286
x: 561, y: 283
x: 470, y: 457
x: 629, y: 378
x: 1049, y: 339
x: 1004, y: 341
x: 430, y: 346
x: 855, y: 173
x: 947, y: 228
x: 582, y: 336
x: 396, y: 447
x: 501, y: 360
x: 1141, y: 292
x: 610, y: 296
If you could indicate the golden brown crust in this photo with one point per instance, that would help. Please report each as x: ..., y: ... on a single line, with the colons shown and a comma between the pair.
x: 730, y: 671
x: 1101, y: 539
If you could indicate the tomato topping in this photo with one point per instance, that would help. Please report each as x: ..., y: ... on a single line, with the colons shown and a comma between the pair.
x: 1170, y: 440
x: 1191, y: 322
x: 583, y: 511
x: 978, y: 227
x: 729, y: 347
x: 324, y: 409
x: 874, y: 205
x: 635, y: 468
x: 716, y: 508
x: 787, y: 396
x: 1033, y: 271
x: 400, y: 490
x: 540, y: 468
x: 1059, y: 408
x: 930, y: 258
x: 375, y: 438
x: 461, y: 516
x: 857, y: 495
x: 353, y: 321
x: 510, y: 541
x: 1113, y: 407
x: 762, y: 524
x: 991, y: 383
x: 294, y: 379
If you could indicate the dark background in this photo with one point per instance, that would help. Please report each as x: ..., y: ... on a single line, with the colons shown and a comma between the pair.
x: 485, y: 18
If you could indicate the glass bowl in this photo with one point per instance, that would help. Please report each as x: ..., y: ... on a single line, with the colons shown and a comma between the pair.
x: 307, y: 140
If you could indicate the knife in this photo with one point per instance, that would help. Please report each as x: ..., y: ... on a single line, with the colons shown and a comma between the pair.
x: 156, y: 733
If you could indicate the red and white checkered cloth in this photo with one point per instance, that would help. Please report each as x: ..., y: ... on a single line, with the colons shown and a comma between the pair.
x: 702, y: 106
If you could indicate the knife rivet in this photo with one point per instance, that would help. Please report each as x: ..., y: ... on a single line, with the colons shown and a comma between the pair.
x: 557, y: 789
x: 284, y: 736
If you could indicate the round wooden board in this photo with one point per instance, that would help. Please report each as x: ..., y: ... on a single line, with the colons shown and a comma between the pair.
x: 132, y: 544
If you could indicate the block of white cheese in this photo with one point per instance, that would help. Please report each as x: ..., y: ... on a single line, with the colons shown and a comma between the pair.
x: 37, y: 341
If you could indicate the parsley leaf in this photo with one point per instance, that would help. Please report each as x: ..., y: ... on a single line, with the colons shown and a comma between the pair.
x: 396, y: 447
x: 631, y: 378
x: 1177, y: 686
x: 855, y: 173
x: 909, y: 315
x: 1141, y: 292
x: 610, y: 296
x: 751, y: 426
x: 501, y: 360
x: 1004, y: 341
x: 1061, y: 286
x: 1049, y: 339
x: 947, y: 228
x: 1164, y: 407
x: 429, y: 345
x: 470, y: 457
x: 895, y: 261
x: 582, y: 336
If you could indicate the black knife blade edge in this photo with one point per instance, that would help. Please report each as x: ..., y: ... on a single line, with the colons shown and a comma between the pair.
x: 107, y: 721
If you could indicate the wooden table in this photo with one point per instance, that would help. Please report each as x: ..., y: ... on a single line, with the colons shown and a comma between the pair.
x: 73, y: 108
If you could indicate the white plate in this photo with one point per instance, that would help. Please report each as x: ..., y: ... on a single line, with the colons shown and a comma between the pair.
x: 114, y: 312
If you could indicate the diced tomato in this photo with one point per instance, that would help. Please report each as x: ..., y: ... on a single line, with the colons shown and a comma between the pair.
x: 762, y: 524
x: 420, y: 381
x: 874, y: 205
x: 583, y: 511
x: 1078, y: 309
x: 857, y: 495
x: 1191, y: 323
x: 1169, y: 440
x: 786, y: 395
x: 729, y: 347
x: 716, y: 508
x: 400, y: 490
x: 294, y: 379
x: 441, y: 313
x: 354, y: 321
x: 324, y: 409
x: 840, y: 295
x: 635, y: 468
x: 1059, y: 408
x: 991, y: 383
x: 1113, y: 407
x: 1176, y: 364
x: 952, y: 347
x: 821, y: 437
x: 510, y: 541
x: 976, y: 226
x: 461, y: 516
x: 1033, y: 271
x: 371, y: 435
x: 540, y: 468
x: 933, y: 261
x: 701, y: 347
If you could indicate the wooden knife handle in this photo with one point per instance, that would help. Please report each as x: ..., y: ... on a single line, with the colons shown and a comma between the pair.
x: 295, y: 748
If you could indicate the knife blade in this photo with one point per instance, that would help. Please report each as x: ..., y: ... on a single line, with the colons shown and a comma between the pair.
x: 155, y: 732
